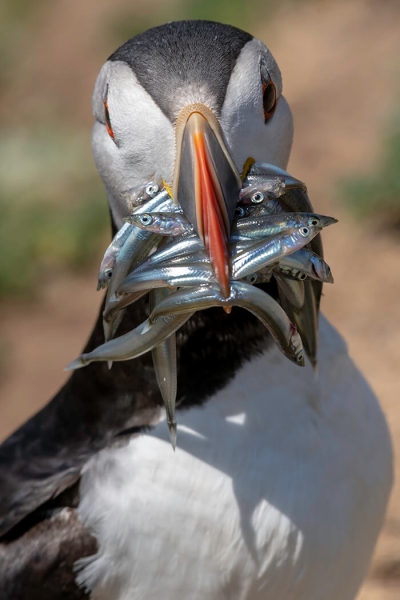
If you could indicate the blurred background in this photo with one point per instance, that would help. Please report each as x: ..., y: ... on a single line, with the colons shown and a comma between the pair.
x: 341, y: 69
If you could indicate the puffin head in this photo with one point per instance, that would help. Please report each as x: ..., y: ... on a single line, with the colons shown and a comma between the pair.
x: 191, y: 101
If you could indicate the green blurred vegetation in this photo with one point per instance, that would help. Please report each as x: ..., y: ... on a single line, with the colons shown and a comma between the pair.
x: 377, y: 194
x: 240, y: 13
x: 38, y: 234
x: 15, y: 18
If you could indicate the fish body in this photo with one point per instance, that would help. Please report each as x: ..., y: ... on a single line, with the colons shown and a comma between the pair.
x: 110, y: 256
x: 165, y: 367
x: 268, y: 225
x: 139, y: 195
x: 305, y: 263
x: 262, y: 276
x: 261, y: 190
x: 293, y: 290
x: 118, y: 303
x: 137, y: 247
x: 264, y: 181
x: 175, y: 250
x: 200, y: 256
x: 168, y: 276
x: 132, y: 252
x: 262, y: 305
x: 268, y: 207
x: 133, y: 344
x: 306, y: 320
x: 270, y: 251
x: 162, y: 223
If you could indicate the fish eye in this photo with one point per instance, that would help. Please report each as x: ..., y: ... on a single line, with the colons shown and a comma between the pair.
x: 269, y: 100
x: 251, y: 278
x: 146, y: 219
x: 300, y: 356
x: 257, y: 198
x: 239, y: 211
x: 302, y: 276
x: 304, y: 231
x: 314, y: 221
x: 151, y: 189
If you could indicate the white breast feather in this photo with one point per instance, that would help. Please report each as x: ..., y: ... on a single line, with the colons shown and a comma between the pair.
x: 277, y: 491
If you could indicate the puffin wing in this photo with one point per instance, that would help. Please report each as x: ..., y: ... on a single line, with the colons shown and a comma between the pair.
x: 45, y: 456
x: 40, y: 563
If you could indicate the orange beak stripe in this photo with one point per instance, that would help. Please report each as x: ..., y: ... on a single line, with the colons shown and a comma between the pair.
x: 211, y: 220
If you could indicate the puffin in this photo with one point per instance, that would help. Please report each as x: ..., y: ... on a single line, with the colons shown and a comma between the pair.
x: 280, y: 480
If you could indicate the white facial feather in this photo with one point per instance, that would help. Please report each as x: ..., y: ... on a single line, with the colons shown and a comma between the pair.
x: 242, y: 117
x: 144, y: 137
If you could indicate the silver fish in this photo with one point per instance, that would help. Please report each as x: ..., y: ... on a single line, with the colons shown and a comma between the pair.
x: 262, y: 191
x: 175, y: 258
x: 262, y: 305
x: 136, y: 238
x: 305, y: 263
x: 165, y: 367
x: 161, y: 223
x: 264, y: 181
x: 200, y: 256
x: 110, y: 256
x: 133, y: 344
x: 169, y: 276
x: 293, y: 290
x: 306, y: 320
x: 243, y: 244
x: 270, y: 251
x: 264, y: 226
x: 268, y: 207
x: 297, y: 200
x: 262, y: 173
x: 117, y: 303
x: 138, y: 245
x: 262, y: 276
x: 139, y: 195
x: 170, y: 251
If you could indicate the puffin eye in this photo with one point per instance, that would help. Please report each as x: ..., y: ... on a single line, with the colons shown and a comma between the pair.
x: 269, y: 100
x: 107, y: 119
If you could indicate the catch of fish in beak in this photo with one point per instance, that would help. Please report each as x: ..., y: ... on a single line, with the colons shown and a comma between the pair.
x: 274, y: 234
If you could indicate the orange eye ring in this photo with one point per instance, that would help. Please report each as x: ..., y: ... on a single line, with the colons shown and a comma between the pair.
x: 269, y: 100
x: 107, y: 119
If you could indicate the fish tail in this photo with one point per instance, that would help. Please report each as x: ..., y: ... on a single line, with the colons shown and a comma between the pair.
x: 172, y: 433
x: 78, y: 363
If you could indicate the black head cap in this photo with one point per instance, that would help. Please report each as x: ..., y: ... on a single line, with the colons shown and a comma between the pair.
x: 185, y: 53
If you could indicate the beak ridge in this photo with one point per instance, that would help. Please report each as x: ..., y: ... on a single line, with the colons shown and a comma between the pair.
x: 206, y: 185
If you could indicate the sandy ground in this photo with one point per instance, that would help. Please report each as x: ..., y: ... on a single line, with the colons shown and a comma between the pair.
x: 341, y: 79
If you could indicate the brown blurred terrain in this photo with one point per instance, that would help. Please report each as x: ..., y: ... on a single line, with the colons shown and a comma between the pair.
x: 341, y: 67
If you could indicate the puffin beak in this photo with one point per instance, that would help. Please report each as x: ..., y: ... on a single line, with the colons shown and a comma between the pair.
x: 206, y: 184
